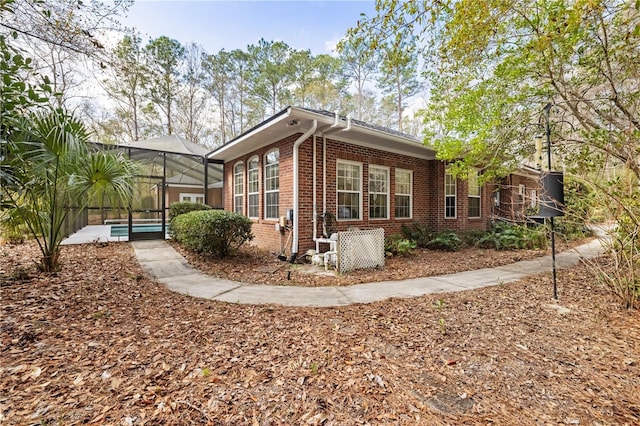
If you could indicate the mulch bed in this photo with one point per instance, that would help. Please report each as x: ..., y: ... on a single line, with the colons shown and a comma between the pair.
x: 98, y: 342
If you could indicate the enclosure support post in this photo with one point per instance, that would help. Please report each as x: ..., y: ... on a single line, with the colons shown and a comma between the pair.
x: 205, y: 163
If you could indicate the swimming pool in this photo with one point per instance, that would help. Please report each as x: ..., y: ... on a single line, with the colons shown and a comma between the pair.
x: 123, y: 230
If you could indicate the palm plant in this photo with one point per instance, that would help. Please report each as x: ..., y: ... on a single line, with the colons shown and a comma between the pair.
x: 54, y: 174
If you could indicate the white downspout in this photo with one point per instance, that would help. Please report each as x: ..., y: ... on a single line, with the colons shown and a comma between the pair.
x: 324, y: 174
x: 346, y: 129
x: 296, y: 215
x: 315, y: 207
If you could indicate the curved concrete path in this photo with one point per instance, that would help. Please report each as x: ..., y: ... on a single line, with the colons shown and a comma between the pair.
x: 164, y: 264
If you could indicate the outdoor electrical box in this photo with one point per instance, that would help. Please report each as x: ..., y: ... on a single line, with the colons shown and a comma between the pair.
x: 282, y: 222
x: 552, y: 196
x: 290, y: 215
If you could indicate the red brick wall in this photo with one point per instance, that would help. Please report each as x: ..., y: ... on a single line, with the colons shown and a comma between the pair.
x: 428, y: 191
x: 266, y: 235
x: 337, y: 150
x: 462, y: 222
x: 512, y: 204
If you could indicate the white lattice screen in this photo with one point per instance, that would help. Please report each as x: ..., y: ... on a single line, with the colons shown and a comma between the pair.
x: 360, y: 249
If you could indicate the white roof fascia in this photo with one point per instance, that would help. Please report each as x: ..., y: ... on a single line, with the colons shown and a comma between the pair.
x: 325, y: 123
x: 429, y: 152
x: 216, y: 153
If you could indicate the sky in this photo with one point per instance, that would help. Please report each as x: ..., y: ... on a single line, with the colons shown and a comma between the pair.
x: 229, y: 25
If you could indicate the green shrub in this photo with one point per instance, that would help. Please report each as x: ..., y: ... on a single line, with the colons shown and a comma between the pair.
x: 176, y: 209
x: 215, y: 232
x: 571, y: 229
x: 504, y: 236
x: 12, y: 229
x: 418, y: 233
x: 445, y: 241
x: 396, y: 245
x: 472, y: 237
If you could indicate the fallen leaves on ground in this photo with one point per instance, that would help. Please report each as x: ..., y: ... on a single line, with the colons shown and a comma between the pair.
x: 98, y: 342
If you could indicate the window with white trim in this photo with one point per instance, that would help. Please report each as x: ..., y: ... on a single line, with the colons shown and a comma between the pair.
x: 272, y: 184
x: 349, y: 188
x: 404, y: 191
x: 253, y: 187
x: 474, y: 194
x: 191, y: 198
x: 534, y: 198
x: 378, y: 192
x: 238, y: 187
x: 449, y: 195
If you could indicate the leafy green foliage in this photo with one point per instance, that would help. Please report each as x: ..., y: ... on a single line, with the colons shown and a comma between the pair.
x: 176, y: 209
x: 442, y: 322
x: 504, y: 236
x: 215, y: 232
x: 49, y: 170
x: 398, y: 77
x: 55, y: 172
x: 418, y: 233
x: 396, y: 245
x: 445, y: 241
x: 165, y: 57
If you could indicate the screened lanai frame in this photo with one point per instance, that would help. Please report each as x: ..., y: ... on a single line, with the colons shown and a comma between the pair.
x: 164, y: 178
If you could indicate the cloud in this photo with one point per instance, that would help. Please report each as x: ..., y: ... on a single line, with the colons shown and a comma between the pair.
x: 330, y: 46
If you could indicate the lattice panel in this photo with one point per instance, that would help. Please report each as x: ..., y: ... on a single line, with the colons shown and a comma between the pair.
x: 360, y: 249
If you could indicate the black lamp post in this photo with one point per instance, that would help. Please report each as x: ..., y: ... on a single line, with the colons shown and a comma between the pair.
x: 547, y: 130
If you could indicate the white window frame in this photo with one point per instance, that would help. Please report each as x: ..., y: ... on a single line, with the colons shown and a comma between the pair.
x: 238, y: 180
x: 268, y: 192
x: 256, y: 193
x: 447, y: 195
x: 386, y: 193
x: 522, y: 190
x: 184, y: 195
x: 534, y: 198
x: 473, y: 181
x: 359, y: 191
x: 401, y: 194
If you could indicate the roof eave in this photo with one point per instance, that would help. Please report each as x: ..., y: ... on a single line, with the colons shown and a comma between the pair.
x: 326, y: 124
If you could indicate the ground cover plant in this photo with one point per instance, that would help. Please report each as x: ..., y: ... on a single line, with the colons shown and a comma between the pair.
x: 99, y: 342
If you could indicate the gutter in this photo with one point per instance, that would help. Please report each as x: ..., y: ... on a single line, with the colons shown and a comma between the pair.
x: 296, y: 145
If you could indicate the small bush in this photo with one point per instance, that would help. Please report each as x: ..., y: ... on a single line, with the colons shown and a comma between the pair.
x: 472, y: 237
x: 418, y: 233
x: 571, y: 229
x: 396, y: 245
x: 445, y: 241
x: 505, y: 236
x: 215, y: 232
x: 176, y: 209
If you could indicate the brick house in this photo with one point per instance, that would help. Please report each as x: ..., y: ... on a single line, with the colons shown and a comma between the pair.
x: 310, y: 162
x: 517, y: 195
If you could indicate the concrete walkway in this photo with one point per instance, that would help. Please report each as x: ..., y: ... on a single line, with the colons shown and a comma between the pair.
x: 163, y: 263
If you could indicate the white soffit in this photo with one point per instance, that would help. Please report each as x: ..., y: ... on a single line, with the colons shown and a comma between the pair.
x: 296, y: 121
